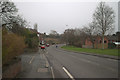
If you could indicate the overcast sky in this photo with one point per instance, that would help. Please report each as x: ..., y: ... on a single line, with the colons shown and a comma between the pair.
x: 56, y: 15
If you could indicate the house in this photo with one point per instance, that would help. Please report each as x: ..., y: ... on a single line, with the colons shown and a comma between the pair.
x: 97, y: 42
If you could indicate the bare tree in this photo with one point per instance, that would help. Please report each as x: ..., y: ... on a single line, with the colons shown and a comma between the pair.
x: 54, y: 34
x: 103, y: 19
x: 80, y: 36
x: 90, y: 32
x: 68, y: 36
x: 7, y: 12
x: 9, y: 17
x: 35, y: 26
x: 75, y: 37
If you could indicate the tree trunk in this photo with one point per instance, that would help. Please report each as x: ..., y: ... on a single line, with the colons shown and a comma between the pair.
x: 97, y: 45
x: 93, y: 45
x: 103, y: 41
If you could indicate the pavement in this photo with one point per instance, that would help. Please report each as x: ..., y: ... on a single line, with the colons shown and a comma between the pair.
x: 58, y: 63
x: 35, y: 65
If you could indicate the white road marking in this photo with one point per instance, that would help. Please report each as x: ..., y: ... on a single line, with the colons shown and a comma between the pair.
x: 42, y: 70
x: 98, y: 65
x: 38, y: 70
x: 109, y: 68
x: 47, y: 64
x: 52, y: 72
x: 68, y: 73
x: 31, y: 60
x: 90, y: 61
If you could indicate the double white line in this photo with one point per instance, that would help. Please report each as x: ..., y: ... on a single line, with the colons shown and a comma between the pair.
x: 68, y: 73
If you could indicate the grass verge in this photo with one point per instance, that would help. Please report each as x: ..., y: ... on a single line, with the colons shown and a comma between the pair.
x: 113, y: 52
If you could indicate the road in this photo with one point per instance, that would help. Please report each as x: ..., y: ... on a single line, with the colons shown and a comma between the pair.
x: 81, y: 65
x: 64, y: 64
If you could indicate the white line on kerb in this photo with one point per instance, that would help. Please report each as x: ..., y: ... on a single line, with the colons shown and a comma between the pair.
x: 47, y: 64
x: 31, y: 60
x: 68, y: 73
x: 112, y: 59
x: 52, y: 73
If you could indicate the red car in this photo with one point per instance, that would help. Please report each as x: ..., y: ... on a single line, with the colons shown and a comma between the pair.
x: 47, y: 45
x: 42, y: 46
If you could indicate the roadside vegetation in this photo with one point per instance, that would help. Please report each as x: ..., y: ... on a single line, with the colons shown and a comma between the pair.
x: 16, y: 37
x: 99, y: 33
x: 53, y: 37
x: 113, y: 52
x: 12, y: 45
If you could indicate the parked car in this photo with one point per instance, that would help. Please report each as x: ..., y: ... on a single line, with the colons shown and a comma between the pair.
x: 47, y: 45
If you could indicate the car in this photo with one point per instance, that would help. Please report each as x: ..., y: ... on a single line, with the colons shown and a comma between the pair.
x: 42, y: 46
x: 47, y: 45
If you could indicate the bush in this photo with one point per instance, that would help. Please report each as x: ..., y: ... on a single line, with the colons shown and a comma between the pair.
x: 78, y: 44
x: 32, y: 40
x: 12, y: 45
x: 111, y: 45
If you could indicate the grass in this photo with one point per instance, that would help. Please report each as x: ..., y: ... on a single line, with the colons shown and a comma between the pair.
x: 113, y: 52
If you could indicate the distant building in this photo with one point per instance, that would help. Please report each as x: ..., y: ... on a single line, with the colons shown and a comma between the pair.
x: 98, y: 42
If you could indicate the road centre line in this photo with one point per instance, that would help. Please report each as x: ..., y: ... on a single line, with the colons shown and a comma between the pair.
x: 97, y: 64
x: 31, y: 60
x: 68, y: 73
x: 88, y: 61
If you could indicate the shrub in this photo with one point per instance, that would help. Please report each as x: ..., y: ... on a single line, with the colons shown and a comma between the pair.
x: 77, y: 44
x: 12, y: 45
x: 111, y: 45
x: 32, y: 40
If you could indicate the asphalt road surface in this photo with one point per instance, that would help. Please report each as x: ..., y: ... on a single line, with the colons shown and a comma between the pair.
x: 74, y: 65
x: 57, y: 63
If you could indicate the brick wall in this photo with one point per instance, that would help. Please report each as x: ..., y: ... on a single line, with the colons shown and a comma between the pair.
x: 97, y: 43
